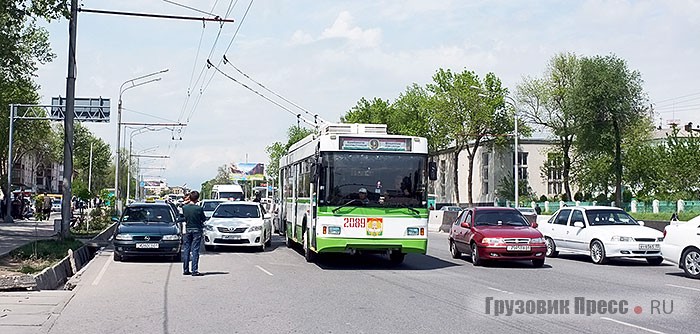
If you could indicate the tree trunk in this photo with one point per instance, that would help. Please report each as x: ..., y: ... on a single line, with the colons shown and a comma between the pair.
x: 566, y: 170
x: 618, y: 164
x: 470, y: 177
x: 455, y: 169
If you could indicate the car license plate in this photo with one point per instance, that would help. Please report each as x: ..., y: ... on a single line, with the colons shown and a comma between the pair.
x: 647, y: 247
x: 518, y: 248
x: 232, y: 236
x: 147, y: 245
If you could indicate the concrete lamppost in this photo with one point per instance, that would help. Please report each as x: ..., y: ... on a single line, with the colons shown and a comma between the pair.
x: 129, y: 84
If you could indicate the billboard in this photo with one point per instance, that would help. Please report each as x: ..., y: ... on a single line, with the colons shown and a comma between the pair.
x: 247, y: 171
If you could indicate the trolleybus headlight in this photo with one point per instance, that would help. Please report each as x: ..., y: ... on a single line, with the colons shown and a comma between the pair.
x: 412, y: 231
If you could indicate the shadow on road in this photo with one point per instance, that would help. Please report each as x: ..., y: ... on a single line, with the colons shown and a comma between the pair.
x: 340, y: 261
x: 277, y: 241
x: 619, y: 262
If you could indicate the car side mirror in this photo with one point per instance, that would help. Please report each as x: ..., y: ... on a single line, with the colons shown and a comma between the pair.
x: 432, y: 170
x: 115, y: 219
x: 641, y: 222
x: 579, y: 224
x: 465, y: 225
x: 534, y: 225
x: 181, y: 219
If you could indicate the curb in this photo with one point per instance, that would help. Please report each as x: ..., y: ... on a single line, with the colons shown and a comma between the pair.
x: 53, y: 277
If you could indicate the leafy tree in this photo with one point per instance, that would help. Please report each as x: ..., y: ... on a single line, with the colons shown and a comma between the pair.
x: 23, y: 46
x: 277, y: 150
x: 469, y: 118
x: 549, y: 104
x: 412, y: 114
x: 609, y: 102
x: 369, y: 112
x: 506, y: 188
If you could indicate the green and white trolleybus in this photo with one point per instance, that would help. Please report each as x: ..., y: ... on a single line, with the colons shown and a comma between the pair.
x: 355, y: 188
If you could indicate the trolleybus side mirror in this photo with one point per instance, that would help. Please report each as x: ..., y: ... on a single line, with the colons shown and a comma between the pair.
x: 432, y: 170
x: 314, y: 171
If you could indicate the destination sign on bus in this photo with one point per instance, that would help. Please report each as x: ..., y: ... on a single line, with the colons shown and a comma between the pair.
x: 375, y: 144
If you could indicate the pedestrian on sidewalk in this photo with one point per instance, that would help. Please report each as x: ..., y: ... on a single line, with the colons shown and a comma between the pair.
x: 194, y: 217
x: 46, y: 207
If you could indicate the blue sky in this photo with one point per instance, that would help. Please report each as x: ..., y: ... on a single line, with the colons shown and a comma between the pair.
x: 326, y: 55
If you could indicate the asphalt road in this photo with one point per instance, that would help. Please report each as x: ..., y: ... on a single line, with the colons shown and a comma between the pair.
x: 277, y: 291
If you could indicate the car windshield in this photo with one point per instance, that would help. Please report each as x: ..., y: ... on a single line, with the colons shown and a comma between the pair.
x: 236, y: 211
x: 150, y: 214
x: 499, y: 217
x: 210, y: 205
x: 609, y: 217
x: 236, y: 196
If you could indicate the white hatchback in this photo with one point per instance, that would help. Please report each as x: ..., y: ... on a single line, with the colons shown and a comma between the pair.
x: 601, y: 232
x: 681, y: 245
x: 238, y: 224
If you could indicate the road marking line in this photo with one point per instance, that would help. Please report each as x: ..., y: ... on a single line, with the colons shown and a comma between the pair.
x: 633, y: 326
x: 499, y: 290
x: 683, y: 287
x: 102, y: 272
x: 263, y: 270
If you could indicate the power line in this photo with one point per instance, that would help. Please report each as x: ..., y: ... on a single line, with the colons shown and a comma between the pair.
x: 315, y: 116
x: 675, y: 98
x: 204, y: 86
x: 188, y: 7
x: 263, y: 96
x: 149, y: 115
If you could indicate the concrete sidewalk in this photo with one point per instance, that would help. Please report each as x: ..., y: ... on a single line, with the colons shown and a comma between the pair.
x: 25, y: 231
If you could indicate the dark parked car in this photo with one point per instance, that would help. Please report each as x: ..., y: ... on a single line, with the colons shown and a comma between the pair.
x: 147, y: 229
x: 496, y: 233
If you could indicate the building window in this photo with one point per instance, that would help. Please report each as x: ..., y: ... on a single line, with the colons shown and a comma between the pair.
x: 443, y: 171
x: 522, y: 158
x: 555, y: 172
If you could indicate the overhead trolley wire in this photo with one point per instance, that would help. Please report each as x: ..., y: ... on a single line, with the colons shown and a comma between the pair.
x: 315, y: 116
x: 263, y: 96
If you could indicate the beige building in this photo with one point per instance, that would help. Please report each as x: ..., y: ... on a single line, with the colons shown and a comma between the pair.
x: 35, y: 176
x: 491, y: 165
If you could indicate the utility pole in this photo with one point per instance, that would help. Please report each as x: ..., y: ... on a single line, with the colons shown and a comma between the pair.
x: 90, y: 172
x: 68, y: 123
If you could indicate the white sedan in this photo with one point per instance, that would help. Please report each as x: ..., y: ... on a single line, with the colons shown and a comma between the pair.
x: 238, y: 224
x: 681, y: 245
x: 601, y: 232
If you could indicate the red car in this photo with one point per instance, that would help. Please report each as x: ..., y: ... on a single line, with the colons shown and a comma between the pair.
x: 496, y: 233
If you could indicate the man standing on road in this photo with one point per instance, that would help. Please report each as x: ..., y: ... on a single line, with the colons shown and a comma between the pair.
x: 194, y: 217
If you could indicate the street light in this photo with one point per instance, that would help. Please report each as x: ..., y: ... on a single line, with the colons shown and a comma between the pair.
x: 516, y: 165
x: 133, y: 83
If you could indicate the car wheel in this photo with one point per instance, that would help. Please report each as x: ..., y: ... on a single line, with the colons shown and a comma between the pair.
x: 598, y: 252
x: 268, y: 243
x: 476, y: 260
x: 655, y: 261
x: 117, y: 257
x: 262, y: 242
x: 396, y: 257
x: 691, y: 262
x: 309, y: 255
x: 551, y: 247
x: 453, y: 250
x: 538, y: 263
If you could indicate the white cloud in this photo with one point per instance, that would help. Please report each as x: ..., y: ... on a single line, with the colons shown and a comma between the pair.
x: 357, y: 37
